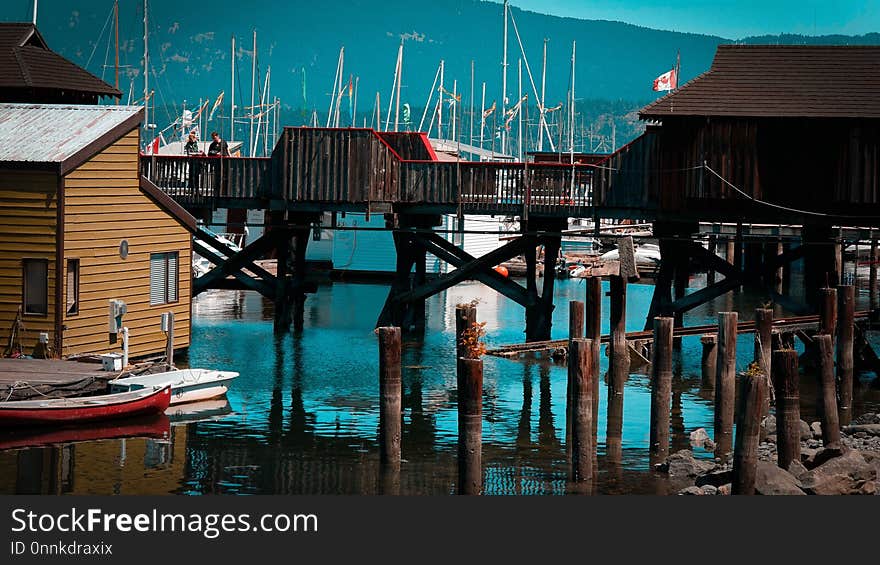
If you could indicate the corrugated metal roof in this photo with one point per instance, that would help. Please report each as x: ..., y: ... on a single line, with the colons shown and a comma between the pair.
x: 781, y: 81
x: 51, y: 133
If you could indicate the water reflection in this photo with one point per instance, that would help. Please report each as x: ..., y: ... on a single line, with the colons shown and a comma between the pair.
x: 303, y: 417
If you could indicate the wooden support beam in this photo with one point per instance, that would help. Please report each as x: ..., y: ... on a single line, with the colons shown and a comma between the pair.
x: 788, y: 411
x: 725, y: 383
x: 264, y: 287
x: 242, y: 259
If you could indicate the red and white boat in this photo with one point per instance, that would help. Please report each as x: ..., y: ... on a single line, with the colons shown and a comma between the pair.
x: 84, y: 409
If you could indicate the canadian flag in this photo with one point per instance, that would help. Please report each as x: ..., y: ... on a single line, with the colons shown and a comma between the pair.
x: 666, y: 81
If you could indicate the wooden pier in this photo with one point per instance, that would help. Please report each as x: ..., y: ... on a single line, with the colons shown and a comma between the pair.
x: 34, y: 378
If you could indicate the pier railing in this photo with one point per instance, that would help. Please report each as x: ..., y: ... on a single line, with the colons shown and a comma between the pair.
x: 199, y: 181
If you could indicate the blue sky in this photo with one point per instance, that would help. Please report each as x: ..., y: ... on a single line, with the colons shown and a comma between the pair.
x: 732, y: 19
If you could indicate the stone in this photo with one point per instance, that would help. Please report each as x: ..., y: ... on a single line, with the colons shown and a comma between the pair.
x: 807, y: 456
x: 692, y: 491
x: 709, y: 490
x: 709, y: 445
x: 683, y: 468
x: 771, y: 480
x: 816, y: 427
x: 725, y: 489
x: 806, y: 432
x: 846, y: 474
x: 798, y: 470
x: 715, y: 478
x: 867, y: 429
x: 768, y: 426
x: 868, y: 418
x: 699, y: 437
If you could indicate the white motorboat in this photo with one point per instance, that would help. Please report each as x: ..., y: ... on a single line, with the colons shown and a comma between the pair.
x: 647, y: 256
x: 187, y: 385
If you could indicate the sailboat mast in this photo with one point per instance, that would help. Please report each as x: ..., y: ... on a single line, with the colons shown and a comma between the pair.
x: 483, y: 115
x: 116, y: 28
x: 504, y: 81
x: 146, y: 71
x: 440, y: 103
x: 542, y: 118
x: 571, y: 107
x: 471, y: 125
x: 354, y: 110
x: 519, y: 121
x: 253, y: 91
x: 35, y: 12
x: 232, y: 100
x: 454, y: 106
x: 397, y: 95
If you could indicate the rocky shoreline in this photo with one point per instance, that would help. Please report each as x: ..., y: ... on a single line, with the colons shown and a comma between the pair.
x: 853, y: 467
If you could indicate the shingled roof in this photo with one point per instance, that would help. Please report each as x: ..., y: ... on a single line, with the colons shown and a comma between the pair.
x: 780, y: 81
x: 29, y: 68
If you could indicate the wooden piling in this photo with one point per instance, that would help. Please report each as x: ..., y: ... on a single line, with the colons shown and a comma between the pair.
x: 725, y: 383
x: 169, y: 340
x: 470, y: 426
x: 730, y: 252
x: 828, y: 411
x: 872, y: 274
x: 619, y: 352
x: 788, y: 411
x: 710, y: 272
x: 780, y: 270
x: 845, y: 334
x: 709, y: 361
x: 764, y: 346
x: 581, y: 367
x: 575, y: 319
x: 753, y: 390
x: 465, y: 318
x: 390, y: 396
x: 828, y: 311
x: 593, y: 308
x: 661, y: 389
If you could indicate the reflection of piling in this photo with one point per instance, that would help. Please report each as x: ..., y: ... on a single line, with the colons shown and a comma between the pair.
x: 827, y: 390
x: 581, y: 366
x: 661, y: 389
x: 725, y: 383
x: 389, y: 394
x: 788, y: 411
x: 753, y: 390
x: 470, y: 426
x: 845, y: 329
x: 709, y: 360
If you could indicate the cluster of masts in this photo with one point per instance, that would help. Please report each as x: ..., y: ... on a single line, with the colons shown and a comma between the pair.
x: 507, y: 130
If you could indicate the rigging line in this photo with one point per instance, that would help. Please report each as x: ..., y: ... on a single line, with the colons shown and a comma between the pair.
x: 106, y: 55
x: 97, y: 41
x: 786, y: 208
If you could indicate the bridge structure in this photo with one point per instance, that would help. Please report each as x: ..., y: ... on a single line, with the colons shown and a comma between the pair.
x: 316, y: 170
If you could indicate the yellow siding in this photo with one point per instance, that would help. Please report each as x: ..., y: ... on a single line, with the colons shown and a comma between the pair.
x: 103, y: 205
x: 28, y: 223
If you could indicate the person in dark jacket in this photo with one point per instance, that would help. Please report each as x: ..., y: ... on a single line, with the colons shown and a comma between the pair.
x: 191, y: 148
x: 218, y: 147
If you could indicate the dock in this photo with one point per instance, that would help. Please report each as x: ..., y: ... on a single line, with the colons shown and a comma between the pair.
x: 22, y: 379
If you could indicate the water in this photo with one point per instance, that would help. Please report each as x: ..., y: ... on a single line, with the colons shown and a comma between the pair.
x: 303, y: 416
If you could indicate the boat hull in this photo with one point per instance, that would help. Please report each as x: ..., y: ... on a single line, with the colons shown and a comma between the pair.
x: 80, y: 410
x: 187, y: 385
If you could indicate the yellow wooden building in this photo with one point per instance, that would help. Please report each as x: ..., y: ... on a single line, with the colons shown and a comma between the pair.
x: 80, y: 228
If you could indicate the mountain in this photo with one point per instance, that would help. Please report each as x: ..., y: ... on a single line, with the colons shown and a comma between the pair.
x: 190, y: 51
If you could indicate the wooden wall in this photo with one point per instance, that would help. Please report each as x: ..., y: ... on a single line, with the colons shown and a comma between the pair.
x: 28, y: 220
x: 103, y: 205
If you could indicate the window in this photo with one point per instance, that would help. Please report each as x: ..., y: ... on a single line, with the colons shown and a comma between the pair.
x: 163, y: 278
x: 35, y: 290
x: 72, y: 287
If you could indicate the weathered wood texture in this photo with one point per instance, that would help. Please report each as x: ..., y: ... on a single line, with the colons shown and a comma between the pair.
x: 828, y: 411
x: 788, y: 411
x: 753, y: 390
x: 390, y: 396
x: 661, y: 389
x: 845, y: 333
x: 103, y: 205
x: 709, y: 360
x: 725, y: 384
x: 470, y: 426
x: 580, y: 374
x: 28, y: 225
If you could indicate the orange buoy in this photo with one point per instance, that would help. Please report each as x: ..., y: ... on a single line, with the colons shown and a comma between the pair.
x: 502, y: 270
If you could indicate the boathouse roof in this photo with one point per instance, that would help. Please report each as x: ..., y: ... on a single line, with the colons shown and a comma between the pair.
x: 31, y: 72
x: 798, y: 81
x: 59, y: 136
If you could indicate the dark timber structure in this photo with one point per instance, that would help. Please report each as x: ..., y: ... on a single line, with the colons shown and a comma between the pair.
x: 770, y: 134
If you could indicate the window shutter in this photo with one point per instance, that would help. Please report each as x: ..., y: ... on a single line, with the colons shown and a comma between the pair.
x: 158, y: 276
x: 172, y: 277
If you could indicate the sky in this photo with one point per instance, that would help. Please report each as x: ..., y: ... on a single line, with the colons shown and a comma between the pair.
x: 732, y: 19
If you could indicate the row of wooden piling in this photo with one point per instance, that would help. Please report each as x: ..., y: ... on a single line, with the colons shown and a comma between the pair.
x: 719, y: 372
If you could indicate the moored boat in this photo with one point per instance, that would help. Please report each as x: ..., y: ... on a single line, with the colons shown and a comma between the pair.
x: 84, y: 409
x: 187, y: 385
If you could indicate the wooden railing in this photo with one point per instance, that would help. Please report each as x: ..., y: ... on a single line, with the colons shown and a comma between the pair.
x: 199, y: 181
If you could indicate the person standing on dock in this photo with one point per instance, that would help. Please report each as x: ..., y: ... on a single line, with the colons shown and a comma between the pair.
x: 218, y: 147
x: 191, y: 148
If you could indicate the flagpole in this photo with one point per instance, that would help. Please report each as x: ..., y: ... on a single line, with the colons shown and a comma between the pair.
x: 677, y: 69
x: 482, y: 116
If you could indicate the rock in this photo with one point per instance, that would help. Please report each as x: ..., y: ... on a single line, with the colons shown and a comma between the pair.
x: 771, y: 480
x: 806, y: 432
x: 816, y: 428
x: 826, y: 454
x: 868, y: 418
x: 724, y: 489
x: 846, y: 474
x: 798, y: 470
x: 699, y: 437
x: 867, y: 429
x: 715, y: 478
x: 814, y: 443
x: 869, y: 488
x: 768, y: 426
x: 693, y: 491
x: 709, y: 490
x: 807, y: 456
x: 709, y: 445
x: 683, y: 468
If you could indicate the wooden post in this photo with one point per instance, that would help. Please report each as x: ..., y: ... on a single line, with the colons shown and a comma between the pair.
x: 465, y: 318
x: 827, y: 391
x: 780, y: 272
x: 619, y: 352
x: 764, y: 346
x: 594, y: 308
x: 845, y: 330
x: 710, y: 272
x: 872, y: 273
x: 580, y: 373
x: 575, y: 320
x: 788, y: 410
x: 390, y: 399
x: 470, y: 425
x: 725, y: 383
x: 753, y: 390
x: 828, y: 311
x: 661, y: 389
x: 730, y: 251
x: 709, y: 361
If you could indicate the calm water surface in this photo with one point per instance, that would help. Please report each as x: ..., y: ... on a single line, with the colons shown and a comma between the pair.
x: 303, y: 416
